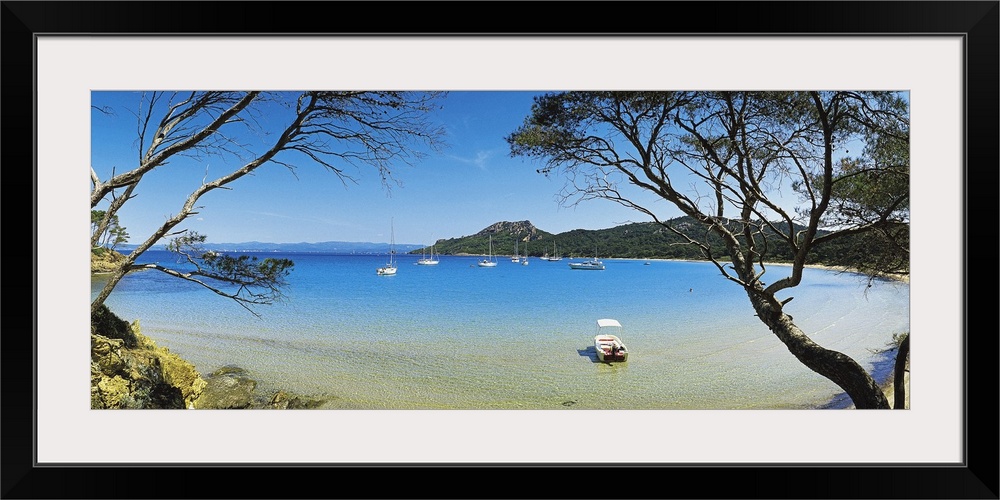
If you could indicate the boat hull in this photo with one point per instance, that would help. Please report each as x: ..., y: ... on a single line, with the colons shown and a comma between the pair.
x: 608, y: 358
x: 610, y: 348
x: 591, y: 265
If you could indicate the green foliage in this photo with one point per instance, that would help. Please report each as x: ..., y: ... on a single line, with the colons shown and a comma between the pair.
x: 248, y: 269
x: 248, y: 279
x: 106, y: 323
x: 118, y: 235
x: 96, y: 216
x: 112, y: 235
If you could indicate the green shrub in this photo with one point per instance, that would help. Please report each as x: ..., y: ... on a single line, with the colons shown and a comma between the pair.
x: 104, y: 322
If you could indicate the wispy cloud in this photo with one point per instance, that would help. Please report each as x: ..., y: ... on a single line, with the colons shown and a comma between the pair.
x: 480, y: 161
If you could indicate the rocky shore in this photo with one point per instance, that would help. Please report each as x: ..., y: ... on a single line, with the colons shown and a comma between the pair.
x: 129, y: 371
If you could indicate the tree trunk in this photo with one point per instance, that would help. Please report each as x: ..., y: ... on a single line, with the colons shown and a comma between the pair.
x: 899, y: 380
x: 836, y: 366
x: 113, y: 280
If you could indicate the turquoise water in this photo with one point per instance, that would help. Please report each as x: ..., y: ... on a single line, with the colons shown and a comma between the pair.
x: 458, y: 336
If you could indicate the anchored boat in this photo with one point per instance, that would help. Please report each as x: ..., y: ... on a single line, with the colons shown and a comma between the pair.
x: 607, y: 342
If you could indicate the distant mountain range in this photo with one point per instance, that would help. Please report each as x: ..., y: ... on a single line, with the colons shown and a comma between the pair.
x: 332, y: 247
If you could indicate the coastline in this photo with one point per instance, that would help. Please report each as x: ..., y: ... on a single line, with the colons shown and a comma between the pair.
x: 902, y: 278
x: 882, y: 372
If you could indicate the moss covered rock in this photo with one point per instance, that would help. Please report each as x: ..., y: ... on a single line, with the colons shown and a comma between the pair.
x: 104, y: 260
x: 229, y: 387
x: 129, y: 371
x: 133, y: 372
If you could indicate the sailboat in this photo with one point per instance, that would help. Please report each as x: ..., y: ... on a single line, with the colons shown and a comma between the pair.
x: 490, y: 261
x: 431, y: 261
x: 516, y: 258
x: 390, y: 268
x: 554, y: 257
x: 524, y: 261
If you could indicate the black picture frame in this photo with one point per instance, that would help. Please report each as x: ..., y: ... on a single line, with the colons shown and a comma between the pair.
x: 977, y: 477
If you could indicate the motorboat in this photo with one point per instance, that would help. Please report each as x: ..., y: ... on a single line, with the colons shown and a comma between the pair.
x: 608, y: 343
x: 588, y: 264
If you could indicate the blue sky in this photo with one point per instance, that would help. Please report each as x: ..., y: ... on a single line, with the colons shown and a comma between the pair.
x: 471, y: 184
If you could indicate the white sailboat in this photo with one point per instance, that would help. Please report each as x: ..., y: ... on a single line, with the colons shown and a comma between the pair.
x: 489, y: 261
x: 524, y: 261
x: 428, y: 261
x: 390, y: 268
x: 516, y: 258
x: 554, y: 257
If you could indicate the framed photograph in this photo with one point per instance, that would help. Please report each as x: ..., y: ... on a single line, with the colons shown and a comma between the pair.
x: 63, y: 59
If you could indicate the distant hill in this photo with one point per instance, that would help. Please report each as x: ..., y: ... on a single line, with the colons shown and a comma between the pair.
x: 504, y: 234
x: 639, y: 240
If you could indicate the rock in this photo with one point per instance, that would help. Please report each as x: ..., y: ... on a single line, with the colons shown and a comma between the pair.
x: 283, y: 401
x: 301, y: 403
x: 132, y: 372
x: 104, y: 260
x: 129, y: 371
x: 228, y: 387
x: 279, y: 401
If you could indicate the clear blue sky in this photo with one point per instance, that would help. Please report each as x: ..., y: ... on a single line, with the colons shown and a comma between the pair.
x: 471, y: 184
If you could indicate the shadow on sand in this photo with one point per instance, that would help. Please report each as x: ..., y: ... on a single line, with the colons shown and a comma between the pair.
x: 591, y: 352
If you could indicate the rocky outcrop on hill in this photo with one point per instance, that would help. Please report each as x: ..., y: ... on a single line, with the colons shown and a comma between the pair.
x: 525, y: 230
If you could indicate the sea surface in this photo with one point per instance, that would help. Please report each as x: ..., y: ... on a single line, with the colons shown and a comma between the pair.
x: 459, y: 336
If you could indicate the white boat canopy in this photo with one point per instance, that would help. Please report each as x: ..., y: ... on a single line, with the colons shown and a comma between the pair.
x: 601, y: 323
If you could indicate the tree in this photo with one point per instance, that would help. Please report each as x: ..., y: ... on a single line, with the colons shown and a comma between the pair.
x: 333, y: 130
x: 105, y: 230
x: 736, y: 151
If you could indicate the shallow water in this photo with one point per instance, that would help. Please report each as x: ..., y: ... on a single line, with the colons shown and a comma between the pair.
x: 457, y: 336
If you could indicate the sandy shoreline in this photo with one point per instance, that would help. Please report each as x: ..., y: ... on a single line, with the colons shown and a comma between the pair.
x: 903, y: 278
x: 886, y: 379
